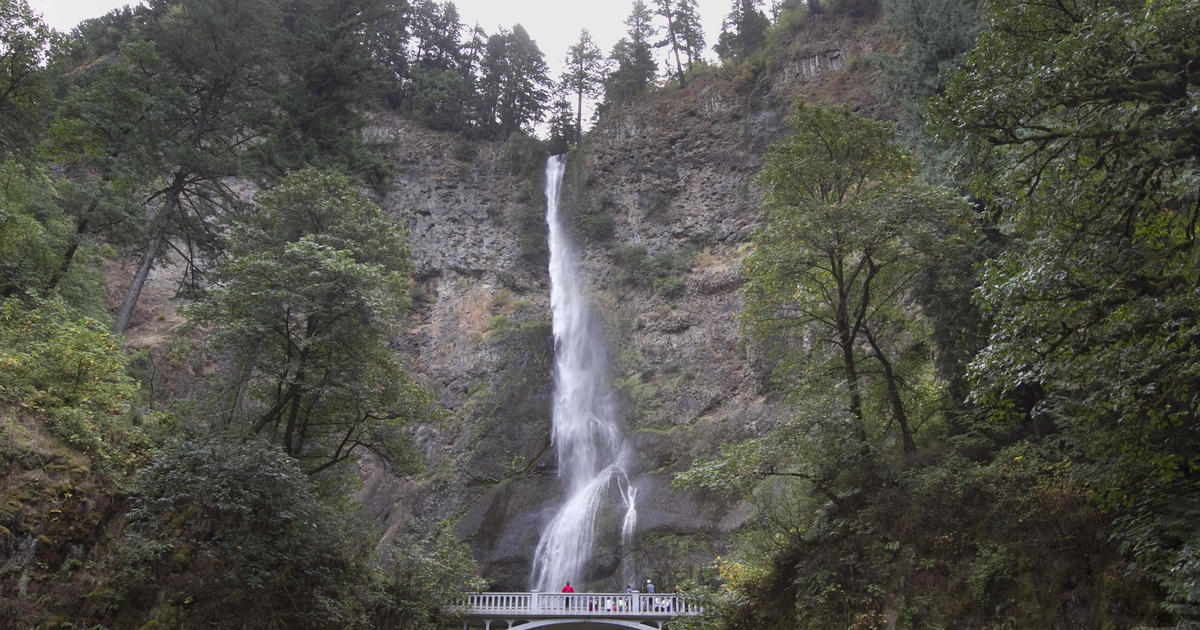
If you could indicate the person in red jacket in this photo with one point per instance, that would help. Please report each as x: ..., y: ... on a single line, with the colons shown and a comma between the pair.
x: 568, y: 588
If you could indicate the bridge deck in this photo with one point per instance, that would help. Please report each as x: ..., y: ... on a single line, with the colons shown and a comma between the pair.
x: 635, y: 606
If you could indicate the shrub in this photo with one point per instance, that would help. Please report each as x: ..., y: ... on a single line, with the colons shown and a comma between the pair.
x: 464, y: 150
x: 661, y: 271
x: 595, y: 226
x: 526, y: 156
x: 69, y: 369
x: 422, y: 571
x: 229, y: 533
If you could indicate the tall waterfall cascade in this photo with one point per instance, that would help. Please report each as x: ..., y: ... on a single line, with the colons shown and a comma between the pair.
x: 591, y: 450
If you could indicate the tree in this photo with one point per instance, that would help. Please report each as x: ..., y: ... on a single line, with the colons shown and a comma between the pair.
x: 388, y: 43
x: 512, y: 84
x: 667, y: 10
x: 436, y: 31
x: 440, y: 88
x: 24, y: 40
x: 230, y: 533
x: 691, y: 30
x: 97, y: 37
x: 583, y: 76
x: 743, y: 31
x: 304, y: 308
x: 420, y: 576
x: 170, y: 121
x: 328, y: 78
x: 936, y: 33
x: 562, y: 127
x: 1093, y: 306
x: 633, y: 56
x: 831, y: 270
x: 29, y: 243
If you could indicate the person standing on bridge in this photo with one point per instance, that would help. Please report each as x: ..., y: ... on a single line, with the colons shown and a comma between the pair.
x: 568, y: 588
x: 649, y: 587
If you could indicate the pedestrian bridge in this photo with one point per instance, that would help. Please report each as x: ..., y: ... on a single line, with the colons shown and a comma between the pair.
x: 580, y: 611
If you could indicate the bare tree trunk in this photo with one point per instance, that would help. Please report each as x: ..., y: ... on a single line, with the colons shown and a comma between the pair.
x: 170, y: 205
x: 579, y: 119
x: 69, y: 256
x: 143, y: 272
x: 665, y: 11
x: 893, y: 390
x: 846, y: 339
x: 678, y: 65
x: 850, y: 371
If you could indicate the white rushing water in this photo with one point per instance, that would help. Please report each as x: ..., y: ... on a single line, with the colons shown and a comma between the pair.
x: 591, y: 450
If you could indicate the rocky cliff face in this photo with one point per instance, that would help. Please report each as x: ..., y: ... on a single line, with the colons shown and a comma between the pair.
x: 663, y: 201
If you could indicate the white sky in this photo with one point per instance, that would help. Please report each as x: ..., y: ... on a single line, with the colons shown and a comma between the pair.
x: 553, y: 24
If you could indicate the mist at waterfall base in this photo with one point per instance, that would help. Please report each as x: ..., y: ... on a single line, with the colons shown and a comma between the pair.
x: 591, y: 451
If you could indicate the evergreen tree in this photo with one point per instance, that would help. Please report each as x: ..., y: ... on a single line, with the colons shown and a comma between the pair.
x: 562, y: 126
x: 329, y: 78
x: 691, y: 30
x: 584, y: 75
x: 743, y: 31
x: 473, y: 50
x: 172, y: 120
x: 513, y: 83
x: 666, y: 9
x: 388, y: 43
x: 99, y: 36
x: 439, y: 93
x: 435, y: 34
x: 633, y: 56
x: 936, y: 33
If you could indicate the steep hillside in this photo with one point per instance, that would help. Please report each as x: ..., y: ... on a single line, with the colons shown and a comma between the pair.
x: 663, y: 199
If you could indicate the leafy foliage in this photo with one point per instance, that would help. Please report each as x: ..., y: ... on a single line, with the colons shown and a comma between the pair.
x: 28, y: 245
x: 1094, y: 305
x: 229, y: 533
x: 420, y: 572
x: 305, y: 306
x: 68, y: 368
x: 24, y: 42
x: 846, y: 229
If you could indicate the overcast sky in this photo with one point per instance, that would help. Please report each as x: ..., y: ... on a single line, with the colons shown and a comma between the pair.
x: 553, y: 24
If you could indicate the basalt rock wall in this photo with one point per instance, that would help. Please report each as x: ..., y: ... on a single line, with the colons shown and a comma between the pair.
x: 663, y: 200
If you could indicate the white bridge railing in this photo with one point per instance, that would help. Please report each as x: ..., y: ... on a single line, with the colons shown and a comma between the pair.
x: 628, y: 605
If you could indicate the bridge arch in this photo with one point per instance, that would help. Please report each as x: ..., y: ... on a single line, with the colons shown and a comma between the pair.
x: 575, y: 623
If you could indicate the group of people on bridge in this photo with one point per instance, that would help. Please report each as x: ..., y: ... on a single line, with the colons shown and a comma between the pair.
x: 622, y: 604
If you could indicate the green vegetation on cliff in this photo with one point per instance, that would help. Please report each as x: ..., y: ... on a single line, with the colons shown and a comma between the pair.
x: 229, y: 509
x: 1048, y: 478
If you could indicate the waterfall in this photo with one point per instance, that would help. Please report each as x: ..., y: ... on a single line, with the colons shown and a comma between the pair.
x: 587, y: 438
